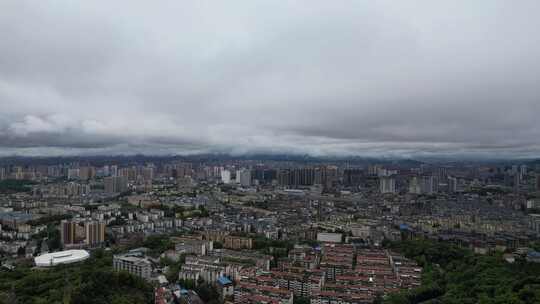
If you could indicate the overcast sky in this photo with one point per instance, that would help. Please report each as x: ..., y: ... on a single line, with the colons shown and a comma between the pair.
x: 393, y: 78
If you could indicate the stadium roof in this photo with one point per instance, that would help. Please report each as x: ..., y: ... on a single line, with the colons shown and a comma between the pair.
x: 61, y: 257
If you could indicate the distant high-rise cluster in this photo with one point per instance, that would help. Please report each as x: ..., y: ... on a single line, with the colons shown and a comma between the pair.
x: 321, y: 223
x: 327, y: 176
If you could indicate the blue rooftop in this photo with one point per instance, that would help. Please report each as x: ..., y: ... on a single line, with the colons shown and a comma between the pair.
x: 533, y: 254
x: 224, y: 281
x: 404, y: 227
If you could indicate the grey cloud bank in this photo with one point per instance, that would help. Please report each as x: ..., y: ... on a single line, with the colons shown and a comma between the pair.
x: 316, y: 77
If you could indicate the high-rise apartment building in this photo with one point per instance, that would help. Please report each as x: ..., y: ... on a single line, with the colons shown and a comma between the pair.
x: 67, y: 232
x: 148, y: 173
x: 264, y: 175
x: 95, y: 232
x: 226, y: 176
x: 113, y: 170
x: 452, y: 184
x: 353, y: 177
x: 115, y: 184
x: 75, y: 233
x: 243, y: 177
x: 297, y: 177
x: 414, y: 186
x: 182, y: 169
x: 86, y: 173
x: 387, y: 184
x: 73, y: 173
x: 522, y: 172
x: 373, y: 169
x: 429, y: 184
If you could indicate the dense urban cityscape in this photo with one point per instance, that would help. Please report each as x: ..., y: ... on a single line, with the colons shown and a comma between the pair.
x: 269, y: 152
x: 217, y: 229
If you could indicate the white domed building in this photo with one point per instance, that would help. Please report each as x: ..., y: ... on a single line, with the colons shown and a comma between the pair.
x: 61, y: 257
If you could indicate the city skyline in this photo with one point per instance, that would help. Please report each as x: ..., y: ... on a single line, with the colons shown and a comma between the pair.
x: 269, y: 229
x: 385, y: 79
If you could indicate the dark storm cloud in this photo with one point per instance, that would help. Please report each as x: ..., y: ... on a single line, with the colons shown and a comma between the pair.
x: 318, y: 77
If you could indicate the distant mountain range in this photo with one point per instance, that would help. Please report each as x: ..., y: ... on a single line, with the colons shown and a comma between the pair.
x: 353, y: 160
x: 96, y: 160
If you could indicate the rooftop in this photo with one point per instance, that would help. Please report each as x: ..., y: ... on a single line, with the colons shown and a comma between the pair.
x: 224, y: 281
x: 61, y: 257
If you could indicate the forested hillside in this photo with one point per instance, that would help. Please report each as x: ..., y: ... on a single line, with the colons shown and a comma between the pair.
x: 455, y: 275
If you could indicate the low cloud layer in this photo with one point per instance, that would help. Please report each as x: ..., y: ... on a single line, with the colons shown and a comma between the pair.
x: 317, y: 77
